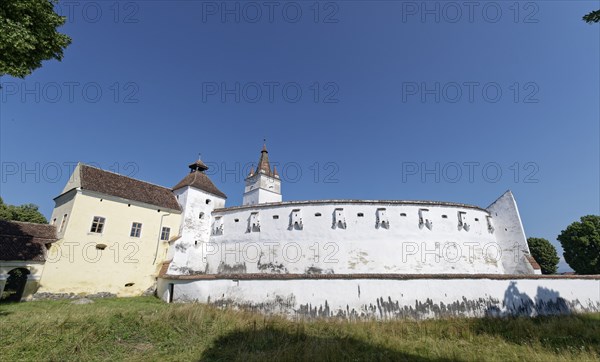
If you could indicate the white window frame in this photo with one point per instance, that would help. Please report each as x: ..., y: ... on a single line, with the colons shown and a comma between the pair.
x: 136, y: 232
x: 162, y: 233
x: 63, y: 223
x: 100, y: 223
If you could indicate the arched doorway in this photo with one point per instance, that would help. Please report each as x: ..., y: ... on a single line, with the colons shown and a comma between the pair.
x: 15, y: 285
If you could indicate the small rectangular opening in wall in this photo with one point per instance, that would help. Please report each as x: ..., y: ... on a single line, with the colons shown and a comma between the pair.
x: 218, y: 226
x: 403, y: 214
x: 476, y: 219
x: 296, y: 220
x: 275, y: 217
x: 360, y: 214
x: 444, y: 216
x: 236, y: 220
x: 317, y: 214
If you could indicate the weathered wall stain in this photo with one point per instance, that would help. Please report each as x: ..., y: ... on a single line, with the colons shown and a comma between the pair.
x: 231, y: 269
x: 274, y: 305
x: 394, y: 299
x: 272, y: 268
x: 387, y: 308
x: 316, y: 270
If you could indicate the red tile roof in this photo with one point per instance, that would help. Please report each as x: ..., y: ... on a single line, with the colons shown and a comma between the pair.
x: 200, y: 181
x: 25, y: 241
x: 110, y: 183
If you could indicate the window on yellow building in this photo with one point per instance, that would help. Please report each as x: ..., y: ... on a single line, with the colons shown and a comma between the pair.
x: 97, y: 225
x: 136, y: 229
x: 165, y: 233
x: 63, y: 223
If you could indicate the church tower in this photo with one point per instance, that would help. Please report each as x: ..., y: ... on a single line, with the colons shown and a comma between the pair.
x: 262, y: 185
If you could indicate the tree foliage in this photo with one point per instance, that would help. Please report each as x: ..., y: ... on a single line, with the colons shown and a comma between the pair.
x: 593, y: 17
x: 544, y: 253
x: 581, y: 242
x: 28, y: 36
x: 27, y: 213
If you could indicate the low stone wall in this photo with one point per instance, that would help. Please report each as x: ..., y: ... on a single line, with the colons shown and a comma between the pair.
x: 390, y: 296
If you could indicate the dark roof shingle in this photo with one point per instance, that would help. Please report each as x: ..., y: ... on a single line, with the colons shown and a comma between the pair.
x: 105, y: 182
x: 200, y: 181
x: 25, y: 241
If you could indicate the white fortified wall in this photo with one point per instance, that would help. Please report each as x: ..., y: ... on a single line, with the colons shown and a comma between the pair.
x: 349, y: 237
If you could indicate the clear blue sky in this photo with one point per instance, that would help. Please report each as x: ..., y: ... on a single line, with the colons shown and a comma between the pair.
x: 401, y: 88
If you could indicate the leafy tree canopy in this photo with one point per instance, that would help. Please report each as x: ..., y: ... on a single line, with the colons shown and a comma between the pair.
x: 581, y: 242
x: 593, y: 17
x: 28, y: 36
x: 544, y: 253
x: 27, y: 213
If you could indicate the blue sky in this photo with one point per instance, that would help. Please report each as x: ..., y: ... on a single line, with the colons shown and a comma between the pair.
x: 357, y: 99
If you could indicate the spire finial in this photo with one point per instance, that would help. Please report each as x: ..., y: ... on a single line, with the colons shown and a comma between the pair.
x: 199, y: 156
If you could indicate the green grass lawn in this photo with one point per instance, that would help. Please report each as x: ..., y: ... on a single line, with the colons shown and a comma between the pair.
x: 148, y: 329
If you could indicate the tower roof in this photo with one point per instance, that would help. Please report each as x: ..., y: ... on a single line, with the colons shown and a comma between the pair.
x: 263, y: 161
x: 264, y: 166
x: 198, y: 166
x: 198, y: 179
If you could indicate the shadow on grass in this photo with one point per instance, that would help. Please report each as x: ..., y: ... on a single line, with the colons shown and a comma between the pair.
x: 556, y: 327
x: 571, y: 333
x: 279, y: 345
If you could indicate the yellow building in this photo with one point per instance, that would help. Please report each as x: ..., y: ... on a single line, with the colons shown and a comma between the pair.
x: 113, y: 232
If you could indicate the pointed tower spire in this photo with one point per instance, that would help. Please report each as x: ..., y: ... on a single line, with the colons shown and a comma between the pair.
x: 263, y: 162
x: 264, y: 184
